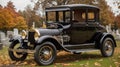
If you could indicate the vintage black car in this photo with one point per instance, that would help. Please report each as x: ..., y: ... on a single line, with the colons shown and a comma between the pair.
x: 74, y: 28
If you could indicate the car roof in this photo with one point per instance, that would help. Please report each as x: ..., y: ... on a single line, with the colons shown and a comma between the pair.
x: 70, y: 7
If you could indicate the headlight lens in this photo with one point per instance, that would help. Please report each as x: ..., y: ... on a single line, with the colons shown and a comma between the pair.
x: 23, y: 34
x: 37, y: 34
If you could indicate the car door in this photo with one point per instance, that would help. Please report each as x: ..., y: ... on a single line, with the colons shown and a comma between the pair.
x: 92, y: 21
x: 78, y: 33
x: 91, y: 30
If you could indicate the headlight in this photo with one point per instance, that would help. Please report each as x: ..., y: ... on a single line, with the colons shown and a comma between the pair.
x: 23, y: 34
x: 37, y: 34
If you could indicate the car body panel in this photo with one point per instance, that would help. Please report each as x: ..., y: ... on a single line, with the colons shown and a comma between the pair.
x: 105, y: 35
x: 51, y: 32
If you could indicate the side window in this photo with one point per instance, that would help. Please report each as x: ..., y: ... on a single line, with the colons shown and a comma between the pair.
x: 67, y: 16
x: 83, y: 15
x: 64, y: 16
x: 91, y: 16
x: 79, y: 15
x: 51, y: 16
x: 60, y: 16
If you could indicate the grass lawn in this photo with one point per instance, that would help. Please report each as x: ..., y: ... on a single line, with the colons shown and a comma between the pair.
x: 66, y: 59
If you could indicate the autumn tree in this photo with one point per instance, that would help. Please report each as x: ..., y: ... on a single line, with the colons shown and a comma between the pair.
x: 10, y: 19
x: 106, y: 13
x: 117, y: 20
x: 48, y: 3
x: 31, y: 16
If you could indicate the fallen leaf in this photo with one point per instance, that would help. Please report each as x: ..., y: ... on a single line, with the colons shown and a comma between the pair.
x: 17, y: 63
x: 116, y: 62
x: 110, y: 65
x: 87, y: 63
x: 119, y: 57
x: 6, y: 62
x: 81, y: 64
x: 55, y: 66
x: 25, y: 63
x: 114, y: 59
x: 33, y: 65
x: 100, y: 60
x: 97, y: 64
x: 67, y: 64
x: 77, y: 61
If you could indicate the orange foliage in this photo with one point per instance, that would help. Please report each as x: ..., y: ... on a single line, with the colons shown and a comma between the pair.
x: 10, y: 19
x: 117, y: 20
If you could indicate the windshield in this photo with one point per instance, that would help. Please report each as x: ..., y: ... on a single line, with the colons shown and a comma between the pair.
x: 58, y: 16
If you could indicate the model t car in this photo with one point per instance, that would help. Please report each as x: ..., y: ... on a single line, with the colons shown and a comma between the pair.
x: 74, y: 28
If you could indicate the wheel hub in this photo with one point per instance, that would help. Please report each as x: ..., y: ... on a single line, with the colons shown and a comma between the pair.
x: 108, y: 47
x: 46, y: 53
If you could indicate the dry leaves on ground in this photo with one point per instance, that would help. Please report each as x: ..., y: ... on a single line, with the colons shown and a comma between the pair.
x: 97, y: 64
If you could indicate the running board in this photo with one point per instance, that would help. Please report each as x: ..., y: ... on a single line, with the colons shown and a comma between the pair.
x: 78, y: 45
x: 84, y: 50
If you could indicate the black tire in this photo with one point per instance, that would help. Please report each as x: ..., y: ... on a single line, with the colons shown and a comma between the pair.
x: 13, y: 54
x: 45, y: 53
x: 107, y: 47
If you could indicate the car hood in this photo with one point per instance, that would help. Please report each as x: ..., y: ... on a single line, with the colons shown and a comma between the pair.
x: 50, y: 31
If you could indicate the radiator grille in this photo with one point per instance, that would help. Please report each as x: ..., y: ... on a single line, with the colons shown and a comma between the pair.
x: 31, y: 38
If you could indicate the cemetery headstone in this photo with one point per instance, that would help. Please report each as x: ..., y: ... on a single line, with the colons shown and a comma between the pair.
x: 10, y: 34
x: 15, y: 31
x: 114, y: 32
x: 1, y: 37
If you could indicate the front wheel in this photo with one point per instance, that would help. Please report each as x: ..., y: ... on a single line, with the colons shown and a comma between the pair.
x: 107, y: 47
x: 16, y: 56
x: 45, y: 53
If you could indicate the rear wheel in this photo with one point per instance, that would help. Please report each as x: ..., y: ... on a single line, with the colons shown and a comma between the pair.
x: 107, y: 47
x: 16, y: 56
x: 45, y: 53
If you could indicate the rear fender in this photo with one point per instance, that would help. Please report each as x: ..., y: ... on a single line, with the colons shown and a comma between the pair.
x: 105, y: 35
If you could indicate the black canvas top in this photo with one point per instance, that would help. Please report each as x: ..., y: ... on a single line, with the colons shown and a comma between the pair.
x: 70, y: 7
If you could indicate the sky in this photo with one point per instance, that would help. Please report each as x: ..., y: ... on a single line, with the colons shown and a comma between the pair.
x: 114, y: 6
x: 21, y: 4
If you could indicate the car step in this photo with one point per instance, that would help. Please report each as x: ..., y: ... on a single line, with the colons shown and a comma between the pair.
x: 84, y: 50
x: 78, y: 45
x: 22, y: 50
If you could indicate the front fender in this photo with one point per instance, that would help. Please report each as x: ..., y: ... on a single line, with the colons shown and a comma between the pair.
x: 52, y: 39
x: 107, y: 35
x: 43, y: 38
x: 16, y: 38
